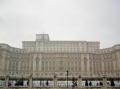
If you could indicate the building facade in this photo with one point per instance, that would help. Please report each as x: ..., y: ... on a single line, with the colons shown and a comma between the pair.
x: 44, y: 58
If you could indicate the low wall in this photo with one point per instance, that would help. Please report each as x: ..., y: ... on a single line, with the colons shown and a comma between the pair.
x: 59, y: 88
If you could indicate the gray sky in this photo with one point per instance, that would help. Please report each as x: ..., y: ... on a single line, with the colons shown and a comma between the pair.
x: 91, y: 20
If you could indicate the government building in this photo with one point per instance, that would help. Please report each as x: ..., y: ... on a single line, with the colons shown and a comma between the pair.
x: 45, y: 58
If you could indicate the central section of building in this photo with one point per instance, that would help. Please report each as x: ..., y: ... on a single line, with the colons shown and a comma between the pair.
x: 60, y: 56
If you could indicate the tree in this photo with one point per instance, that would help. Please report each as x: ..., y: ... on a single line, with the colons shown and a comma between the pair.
x: 9, y: 84
x: 19, y: 82
x: 101, y: 84
x: 112, y: 83
x: 74, y: 82
x: 86, y: 83
x: 90, y: 83
x: 47, y: 83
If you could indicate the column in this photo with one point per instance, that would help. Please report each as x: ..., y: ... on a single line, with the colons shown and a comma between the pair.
x: 104, y: 81
x: 82, y: 64
x: 55, y: 81
x: 88, y: 65
x: 80, y: 81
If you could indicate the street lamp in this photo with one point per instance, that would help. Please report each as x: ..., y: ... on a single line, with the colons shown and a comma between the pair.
x: 67, y: 78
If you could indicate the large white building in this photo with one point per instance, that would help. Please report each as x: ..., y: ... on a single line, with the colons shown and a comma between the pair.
x: 44, y: 58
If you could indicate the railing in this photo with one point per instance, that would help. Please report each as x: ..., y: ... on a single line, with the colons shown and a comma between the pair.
x: 61, y: 83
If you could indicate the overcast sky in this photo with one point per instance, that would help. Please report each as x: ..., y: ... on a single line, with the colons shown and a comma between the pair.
x: 90, y: 20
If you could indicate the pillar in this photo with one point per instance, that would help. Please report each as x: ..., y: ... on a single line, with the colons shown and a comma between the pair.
x: 6, y: 82
x: 104, y: 81
x: 55, y: 81
x: 80, y: 81
x: 30, y: 81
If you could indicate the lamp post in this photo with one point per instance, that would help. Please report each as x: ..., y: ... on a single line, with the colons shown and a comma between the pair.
x: 67, y: 78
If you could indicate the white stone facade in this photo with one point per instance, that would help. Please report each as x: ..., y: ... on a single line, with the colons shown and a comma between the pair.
x: 44, y: 58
